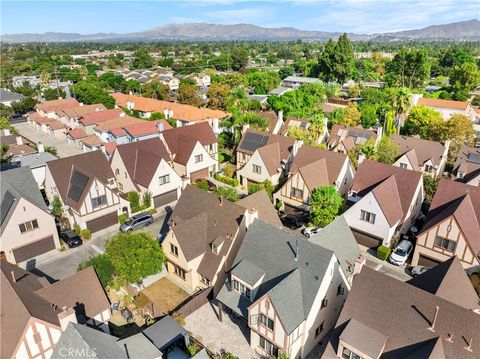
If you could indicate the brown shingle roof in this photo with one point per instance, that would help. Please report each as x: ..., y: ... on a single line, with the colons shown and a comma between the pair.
x: 461, y: 201
x: 285, y: 143
x: 201, y: 218
x: 262, y: 203
x: 371, y: 173
x: 465, y: 163
x: 142, y: 158
x: 388, y: 198
x: 404, y: 314
x: 181, y: 140
x: 435, y: 102
x: 349, y: 136
x: 57, y: 105
x: 271, y: 118
x: 424, y: 149
x: 92, y: 164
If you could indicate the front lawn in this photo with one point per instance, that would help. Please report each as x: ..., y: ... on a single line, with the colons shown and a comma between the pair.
x: 164, y: 294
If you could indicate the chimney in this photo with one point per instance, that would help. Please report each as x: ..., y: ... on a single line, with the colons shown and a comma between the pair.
x: 450, y: 337
x: 6, y: 132
x: 40, y: 147
x: 19, y: 140
x: 296, y: 147
x: 160, y: 126
x: 97, y: 109
x: 361, y: 158
x: 14, y: 279
x: 165, y: 112
x: 122, y: 114
x: 66, y: 316
x: 170, y: 114
x: 215, y: 125
x: 280, y: 115
x: 296, y: 250
x: 432, y: 327
x: 250, y: 216
x: 81, y: 104
x: 245, y: 128
x: 469, y: 348
x: 359, y: 263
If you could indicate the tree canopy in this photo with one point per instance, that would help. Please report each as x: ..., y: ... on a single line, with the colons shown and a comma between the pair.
x: 326, y: 203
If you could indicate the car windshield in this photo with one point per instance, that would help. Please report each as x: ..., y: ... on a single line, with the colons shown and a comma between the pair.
x: 400, y: 251
x: 128, y: 222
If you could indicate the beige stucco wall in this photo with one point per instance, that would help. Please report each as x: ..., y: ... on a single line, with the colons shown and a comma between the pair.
x: 246, y: 172
x: 25, y: 211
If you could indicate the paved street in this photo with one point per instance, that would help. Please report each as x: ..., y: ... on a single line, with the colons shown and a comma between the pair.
x: 63, y: 149
x: 58, y: 265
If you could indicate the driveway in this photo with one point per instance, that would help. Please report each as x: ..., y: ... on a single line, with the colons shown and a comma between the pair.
x: 63, y: 149
x: 398, y: 272
x: 57, y: 265
x: 229, y: 335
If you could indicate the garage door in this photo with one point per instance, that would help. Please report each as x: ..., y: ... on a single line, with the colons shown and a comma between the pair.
x: 33, y: 249
x: 367, y: 240
x: 427, y: 262
x: 199, y: 174
x: 103, y: 222
x: 164, y: 199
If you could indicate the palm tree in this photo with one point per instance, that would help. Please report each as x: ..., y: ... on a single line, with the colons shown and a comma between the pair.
x: 45, y: 77
x: 83, y: 72
x: 401, y: 105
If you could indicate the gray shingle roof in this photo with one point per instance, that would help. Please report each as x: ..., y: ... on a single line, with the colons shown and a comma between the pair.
x: 139, y: 347
x: 164, y: 332
x: 6, y: 95
x: 248, y: 271
x: 32, y: 160
x: 292, y: 285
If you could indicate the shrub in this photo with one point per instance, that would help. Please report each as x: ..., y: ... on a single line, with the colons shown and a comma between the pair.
x: 134, y: 199
x: 122, y: 218
x: 202, y: 185
x: 152, y: 211
x: 229, y: 193
x: 227, y: 180
x: 383, y: 252
x: 86, y: 234
x: 179, y: 318
x: 56, y: 206
x: 76, y: 228
x: 147, y: 199
x: 102, y: 265
x: 192, y: 349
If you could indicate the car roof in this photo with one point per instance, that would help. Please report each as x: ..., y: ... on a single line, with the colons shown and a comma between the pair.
x: 405, y: 244
x: 141, y: 215
x: 70, y: 233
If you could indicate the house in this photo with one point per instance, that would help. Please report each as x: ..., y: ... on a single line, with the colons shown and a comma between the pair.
x: 172, y: 82
x: 32, y: 81
x: 427, y: 317
x: 56, y: 129
x: 345, y: 139
x: 274, y: 121
x: 452, y: 226
x: 75, y: 136
x: 70, y: 116
x: 194, y: 150
x: 263, y: 156
x: 84, y: 341
x: 89, y: 121
x: 165, y: 334
x: 34, y: 313
x: 87, y: 188
x: 49, y: 108
x: 146, y: 166
x: 287, y: 289
x: 36, y: 161
x: 386, y: 201
x: 27, y: 228
x: 280, y: 90
x: 17, y: 144
x: 36, y: 120
x: 205, y: 234
x: 7, y: 97
x: 295, y: 82
x: 467, y: 166
x: 144, y: 130
x: 92, y: 143
x: 312, y: 168
x: 428, y: 157
x: 260, y: 202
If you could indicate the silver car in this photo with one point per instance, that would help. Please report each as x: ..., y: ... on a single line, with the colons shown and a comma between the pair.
x: 137, y: 221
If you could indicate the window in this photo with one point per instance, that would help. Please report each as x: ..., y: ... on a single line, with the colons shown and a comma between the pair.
x: 98, y: 201
x: 257, y: 169
x: 117, y: 171
x: 28, y: 226
x: 324, y: 303
x: 268, y: 347
x: 174, y: 250
x: 243, y: 290
x: 120, y: 187
x: 164, y: 179
x: 265, y: 321
x: 346, y: 353
x: 204, y: 280
x: 125, y: 174
x: 214, y: 248
x: 367, y: 217
x: 179, y: 271
x: 444, y: 243
x: 429, y: 168
x: 340, y: 290
x: 460, y: 174
x: 198, y: 158
x: 297, y: 193
x: 319, y: 330
x: 403, y: 165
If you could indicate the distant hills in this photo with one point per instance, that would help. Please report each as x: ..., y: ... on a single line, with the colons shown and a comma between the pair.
x: 459, y: 31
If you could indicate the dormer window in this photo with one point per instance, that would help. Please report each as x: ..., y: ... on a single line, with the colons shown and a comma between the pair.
x: 460, y: 174
x: 403, y: 165
x: 241, y: 288
x: 214, y: 248
x: 198, y: 158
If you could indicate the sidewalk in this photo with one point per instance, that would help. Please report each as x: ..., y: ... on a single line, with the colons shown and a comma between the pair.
x: 241, y: 191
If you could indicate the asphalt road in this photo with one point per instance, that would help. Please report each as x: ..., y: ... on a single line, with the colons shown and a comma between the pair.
x: 60, y: 265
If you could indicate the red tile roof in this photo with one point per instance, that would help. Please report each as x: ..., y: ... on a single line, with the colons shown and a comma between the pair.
x: 92, y: 140
x: 434, y: 102
x: 77, y: 133
x: 57, y: 105
x: 146, y: 128
x: 101, y: 116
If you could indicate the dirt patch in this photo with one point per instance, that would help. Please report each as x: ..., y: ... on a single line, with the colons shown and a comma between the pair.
x: 164, y: 294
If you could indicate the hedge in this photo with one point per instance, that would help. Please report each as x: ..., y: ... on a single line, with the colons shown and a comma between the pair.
x: 383, y: 252
x: 227, y: 180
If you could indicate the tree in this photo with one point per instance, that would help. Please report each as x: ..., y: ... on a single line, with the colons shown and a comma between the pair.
x: 459, y: 130
x: 6, y: 125
x: 463, y: 79
x: 113, y: 81
x: 401, y: 105
x: 351, y: 115
x: 147, y: 199
x: 262, y: 81
x: 304, y: 102
x: 430, y: 185
x: 142, y: 59
x: 337, y: 61
x: 188, y: 95
x: 134, y: 200
x: 229, y: 193
x: 420, y: 121
x: 390, y: 127
x: 135, y: 255
x: 285, y: 71
x: 103, y: 266
x: 188, y: 81
x: 326, y: 62
x: 57, y: 208
x: 218, y: 96
x: 387, y: 151
x: 239, y: 57
x: 368, y: 115
x: 325, y: 203
x: 409, y: 68
x: 133, y: 86
x: 157, y: 90
x: 5, y: 111
x: 266, y: 185
x: 5, y: 158
x: 24, y: 105
x: 53, y: 94
x: 90, y: 94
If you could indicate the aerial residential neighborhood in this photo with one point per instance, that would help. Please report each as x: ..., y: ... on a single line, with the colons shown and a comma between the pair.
x: 230, y: 179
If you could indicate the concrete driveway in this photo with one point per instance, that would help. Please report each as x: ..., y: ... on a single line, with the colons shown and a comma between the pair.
x: 63, y: 149
x: 57, y: 265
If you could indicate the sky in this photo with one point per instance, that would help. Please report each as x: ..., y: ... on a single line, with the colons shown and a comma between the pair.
x: 358, y: 16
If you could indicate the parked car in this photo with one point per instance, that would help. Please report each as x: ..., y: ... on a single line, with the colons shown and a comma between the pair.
x: 401, y: 253
x: 310, y: 231
x: 416, y: 271
x: 291, y: 221
x: 71, y: 238
x: 143, y: 219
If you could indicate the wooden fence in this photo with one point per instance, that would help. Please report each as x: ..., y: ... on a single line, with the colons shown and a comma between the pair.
x: 194, y: 302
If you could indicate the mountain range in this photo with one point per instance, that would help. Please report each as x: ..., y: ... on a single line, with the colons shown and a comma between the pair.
x: 458, y: 31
